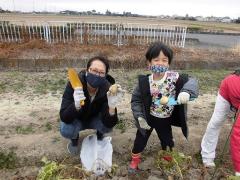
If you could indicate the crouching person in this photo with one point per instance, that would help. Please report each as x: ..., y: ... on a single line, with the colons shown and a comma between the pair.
x: 99, y: 111
x: 148, y: 106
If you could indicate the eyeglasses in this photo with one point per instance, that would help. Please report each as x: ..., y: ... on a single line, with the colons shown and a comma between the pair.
x: 96, y: 72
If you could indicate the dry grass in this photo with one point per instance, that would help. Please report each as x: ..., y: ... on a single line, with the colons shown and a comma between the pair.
x: 236, y: 49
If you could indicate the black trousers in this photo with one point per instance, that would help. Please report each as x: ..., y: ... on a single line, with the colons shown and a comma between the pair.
x: 164, y: 131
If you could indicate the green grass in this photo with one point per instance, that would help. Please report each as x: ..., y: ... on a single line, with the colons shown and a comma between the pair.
x: 8, y: 160
x: 49, y: 85
x: 121, y: 125
x: 2, y: 87
x: 48, y: 127
x: 209, y: 80
x: 36, y: 83
x: 173, y: 163
x: 42, y: 83
x: 24, y: 130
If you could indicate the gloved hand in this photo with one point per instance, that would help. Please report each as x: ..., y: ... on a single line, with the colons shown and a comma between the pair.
x: 143, y: 123
x: 183, y: 98
x: 114, y: 98
x: 78, y: 96
x: 143, y: 126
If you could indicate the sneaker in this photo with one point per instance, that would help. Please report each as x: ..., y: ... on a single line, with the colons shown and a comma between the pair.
x: 209, y: 164
x: 237, y: 173
x: 73, y: 150
x: 73, y: 147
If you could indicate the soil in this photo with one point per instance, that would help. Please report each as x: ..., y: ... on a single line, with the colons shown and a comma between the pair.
x: 41, y: 111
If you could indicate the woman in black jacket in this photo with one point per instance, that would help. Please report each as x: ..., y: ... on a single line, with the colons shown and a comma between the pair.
x: 99, y: 110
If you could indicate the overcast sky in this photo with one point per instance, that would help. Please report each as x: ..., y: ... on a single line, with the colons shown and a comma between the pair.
x: 221, y: 8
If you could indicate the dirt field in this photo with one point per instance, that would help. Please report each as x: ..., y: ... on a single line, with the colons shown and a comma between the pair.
x: 29, y: 126
x: 226, y: 27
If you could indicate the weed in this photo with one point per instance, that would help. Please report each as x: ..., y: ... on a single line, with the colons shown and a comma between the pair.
x: 33, y: 114
x: 198, y: 157
x: 8, y: 160
x: 55, y: 139
x: 48, y: 127
x: 24, y: 130
x: 121, y: 125
x: 233, y: 178
x: 54, y: 170
x: 2, y: 87
x: 173, y: 163
x: 53, y: 84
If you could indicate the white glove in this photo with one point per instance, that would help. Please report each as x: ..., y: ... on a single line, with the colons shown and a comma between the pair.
x: 78, y: 96
x: 183, y: 98
x: 116, y: 98
x: 143, y: 123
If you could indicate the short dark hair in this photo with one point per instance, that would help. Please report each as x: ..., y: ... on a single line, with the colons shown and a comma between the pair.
x: 100, y: 58
x: 155, y: 49
x: 237, y: 72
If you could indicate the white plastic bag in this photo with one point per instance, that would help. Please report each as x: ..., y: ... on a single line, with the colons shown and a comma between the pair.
x: 96, y: 155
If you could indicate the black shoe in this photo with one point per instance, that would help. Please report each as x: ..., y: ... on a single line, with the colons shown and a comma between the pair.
x: 99, y: 136
x: 73, y: 147
x: 75, y: 141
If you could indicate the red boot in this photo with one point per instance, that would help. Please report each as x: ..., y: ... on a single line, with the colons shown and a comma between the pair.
x: 136, y: 159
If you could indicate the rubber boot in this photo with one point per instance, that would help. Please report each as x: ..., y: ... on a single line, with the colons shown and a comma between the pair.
x: 136, y: 159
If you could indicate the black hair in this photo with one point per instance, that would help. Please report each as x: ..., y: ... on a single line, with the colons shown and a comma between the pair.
x: 100, y: 58
x: 155, y: 49
x: 237, y: 72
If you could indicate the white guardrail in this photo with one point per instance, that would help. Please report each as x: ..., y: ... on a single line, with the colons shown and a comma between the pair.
x: 93, y: 33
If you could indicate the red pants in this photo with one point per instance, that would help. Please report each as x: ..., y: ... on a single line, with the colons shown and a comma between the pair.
x: 235, y: 144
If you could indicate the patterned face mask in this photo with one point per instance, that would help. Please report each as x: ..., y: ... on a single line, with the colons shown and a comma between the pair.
x: 158, y: 69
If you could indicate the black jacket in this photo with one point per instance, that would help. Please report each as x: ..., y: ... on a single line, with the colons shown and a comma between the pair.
x: 142, y: 99
x: 68, y: 112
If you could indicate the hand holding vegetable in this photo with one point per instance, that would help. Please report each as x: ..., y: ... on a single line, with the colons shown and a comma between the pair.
x: 115, y: 95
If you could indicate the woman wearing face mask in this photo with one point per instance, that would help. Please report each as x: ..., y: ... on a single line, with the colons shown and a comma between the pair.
x: 99, y: 110
x: 149, y: 110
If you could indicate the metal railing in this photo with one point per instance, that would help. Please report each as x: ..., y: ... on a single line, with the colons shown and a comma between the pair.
x: 93, y: 33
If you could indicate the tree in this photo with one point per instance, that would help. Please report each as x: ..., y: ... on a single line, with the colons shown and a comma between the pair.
x: 238, y: 20
x: 108, y: 12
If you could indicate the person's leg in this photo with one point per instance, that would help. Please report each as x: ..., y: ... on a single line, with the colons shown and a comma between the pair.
x: 235, y: 146
x: 164, y: 131
x: 139, y: 145
x: 210, y: 138
x: 140, y: 141
x: 96, y: 123
x: 71, y: 131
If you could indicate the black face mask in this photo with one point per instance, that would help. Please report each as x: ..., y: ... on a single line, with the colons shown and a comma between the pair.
x: 94, y: 80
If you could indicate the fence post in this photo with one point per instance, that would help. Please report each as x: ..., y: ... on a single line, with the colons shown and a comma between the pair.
x: 1, y: 37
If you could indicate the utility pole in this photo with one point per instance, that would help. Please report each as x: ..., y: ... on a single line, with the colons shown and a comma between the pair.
x: 33, y: 5
x: 13, y: 5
